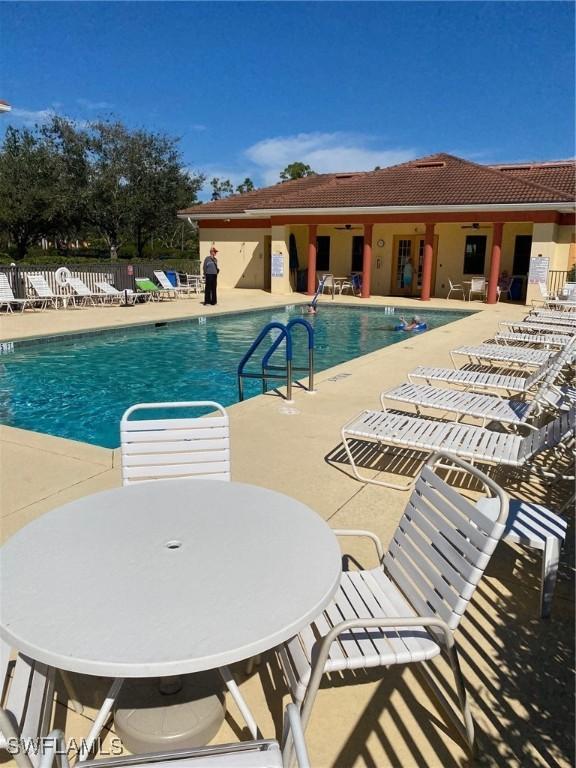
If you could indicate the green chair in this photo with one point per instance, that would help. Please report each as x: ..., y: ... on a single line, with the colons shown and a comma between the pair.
x: 145, y: 285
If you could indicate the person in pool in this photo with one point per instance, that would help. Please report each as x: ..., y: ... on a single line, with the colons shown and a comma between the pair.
x: 312, y: 310
x: 417, y: 322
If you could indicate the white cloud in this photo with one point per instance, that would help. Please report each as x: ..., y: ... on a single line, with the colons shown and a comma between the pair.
x: 199, y: 127
x: 323, y: 152
x: 30, y: 117
x: 93, y: 105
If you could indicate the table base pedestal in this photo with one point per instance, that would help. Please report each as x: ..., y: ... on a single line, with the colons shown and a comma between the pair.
x: 147, y: 720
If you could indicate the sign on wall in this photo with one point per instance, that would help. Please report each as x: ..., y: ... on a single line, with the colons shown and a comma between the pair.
x: 539, y: 266
x: 277, y: 265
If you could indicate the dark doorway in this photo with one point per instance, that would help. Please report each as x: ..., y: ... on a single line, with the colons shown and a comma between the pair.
x: 522, y: 248
x: 357, y: 253
x: 323, y: 253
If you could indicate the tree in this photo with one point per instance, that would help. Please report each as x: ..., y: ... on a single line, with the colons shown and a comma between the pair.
x: 296, y: 171
x: 36, y: 187
x: 137, y: 183
x: 246, y: 186
x: 221, y: 188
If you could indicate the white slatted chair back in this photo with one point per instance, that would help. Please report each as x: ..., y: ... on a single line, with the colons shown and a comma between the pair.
x: 6, y: 292
x: 548, y: 436
x: 477, y: 285
x: 179, y: 447
x: 26, y: 695
x: 162, y: 278
x: 40, y: 286
x: 78, y: 286
x: 441, y: 547
x: 108, y: 289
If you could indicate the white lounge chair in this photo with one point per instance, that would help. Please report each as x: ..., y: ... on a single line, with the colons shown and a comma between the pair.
x: 455, y: 288
x: 524, y: 326
x: 466, y: 441
x: 504, y: 354
x: 545, y: 315
x: 543, y: 339
x: 476, y: 405
x: 262, y: 753
x: 42, y: 290
x: 126, y: 295
x: 81, y: 293
x: 486, y: 379
x: 8, y: 300
x: 407, y: 609
x: 180, y: 290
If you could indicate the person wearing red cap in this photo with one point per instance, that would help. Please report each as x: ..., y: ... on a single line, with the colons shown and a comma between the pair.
x: 211, y: 270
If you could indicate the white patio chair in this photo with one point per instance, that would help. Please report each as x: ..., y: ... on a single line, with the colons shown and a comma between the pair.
x: 407, y: 608
x: 42, y: 290
x: 262, y: 753
x: 455, y: 287
x: 174, y: 447
x: 394, y: 430
x: 542, y: 313
x: 326, y: 283
x: 26, y: 700
x: 8, y: 300
x: 478, y: 286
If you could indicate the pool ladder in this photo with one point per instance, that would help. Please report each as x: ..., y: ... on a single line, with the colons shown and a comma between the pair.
x: 278, y: 372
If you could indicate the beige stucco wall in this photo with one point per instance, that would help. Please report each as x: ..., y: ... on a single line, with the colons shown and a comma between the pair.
x: 240, y: 255
x: 242, y: 251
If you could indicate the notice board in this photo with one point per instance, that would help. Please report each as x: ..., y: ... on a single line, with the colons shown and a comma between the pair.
x: 277, y: 265
x: 539, y: 266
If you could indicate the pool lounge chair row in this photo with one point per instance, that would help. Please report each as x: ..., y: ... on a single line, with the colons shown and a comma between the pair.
x: 78, y: 294
x: 540, y: 414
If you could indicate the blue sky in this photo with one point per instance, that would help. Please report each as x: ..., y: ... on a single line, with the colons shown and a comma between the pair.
x: 250, y: 87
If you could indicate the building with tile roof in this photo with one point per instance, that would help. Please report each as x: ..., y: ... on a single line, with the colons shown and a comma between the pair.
x: 445, y: 217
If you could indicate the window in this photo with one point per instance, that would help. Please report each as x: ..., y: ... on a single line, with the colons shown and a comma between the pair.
x: 475, y: 255
x: 323, y: 253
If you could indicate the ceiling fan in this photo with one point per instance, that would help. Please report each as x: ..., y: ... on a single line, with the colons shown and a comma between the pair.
x: 347, y: 226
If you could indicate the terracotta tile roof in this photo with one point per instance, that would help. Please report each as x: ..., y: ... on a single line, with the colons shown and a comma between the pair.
x: 560, y: 175
x: 436, y: 180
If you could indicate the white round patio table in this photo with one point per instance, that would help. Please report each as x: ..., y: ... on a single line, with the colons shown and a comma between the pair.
x: 165, y: 578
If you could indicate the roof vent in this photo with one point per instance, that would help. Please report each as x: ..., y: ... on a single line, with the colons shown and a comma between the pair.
x: 345, y: 175
x: 433, y: 164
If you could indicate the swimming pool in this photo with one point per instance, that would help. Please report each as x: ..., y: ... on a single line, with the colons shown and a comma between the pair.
x: 78, y: 387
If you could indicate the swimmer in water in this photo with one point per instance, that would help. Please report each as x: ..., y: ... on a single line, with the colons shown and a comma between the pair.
x: 312, y: 310
x: 416, y: 321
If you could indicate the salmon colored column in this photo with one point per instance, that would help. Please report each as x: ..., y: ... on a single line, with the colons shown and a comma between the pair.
x: 427, y: 262
x: 492, y: 296
x: 367, y: 261
x: 312, y: 229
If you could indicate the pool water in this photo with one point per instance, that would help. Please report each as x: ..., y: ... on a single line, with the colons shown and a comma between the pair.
x: 78, y: 387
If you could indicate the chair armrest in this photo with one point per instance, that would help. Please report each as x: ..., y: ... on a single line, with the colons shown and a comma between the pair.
x: 362, y: 534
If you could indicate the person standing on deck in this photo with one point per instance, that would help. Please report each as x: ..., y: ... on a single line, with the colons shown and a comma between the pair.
x: 211, y: 270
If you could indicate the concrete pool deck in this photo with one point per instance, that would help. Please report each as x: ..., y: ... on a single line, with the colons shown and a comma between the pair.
x: 517, y: 667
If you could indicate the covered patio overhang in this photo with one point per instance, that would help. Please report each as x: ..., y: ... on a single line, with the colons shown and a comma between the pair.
x: 427, y: 218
